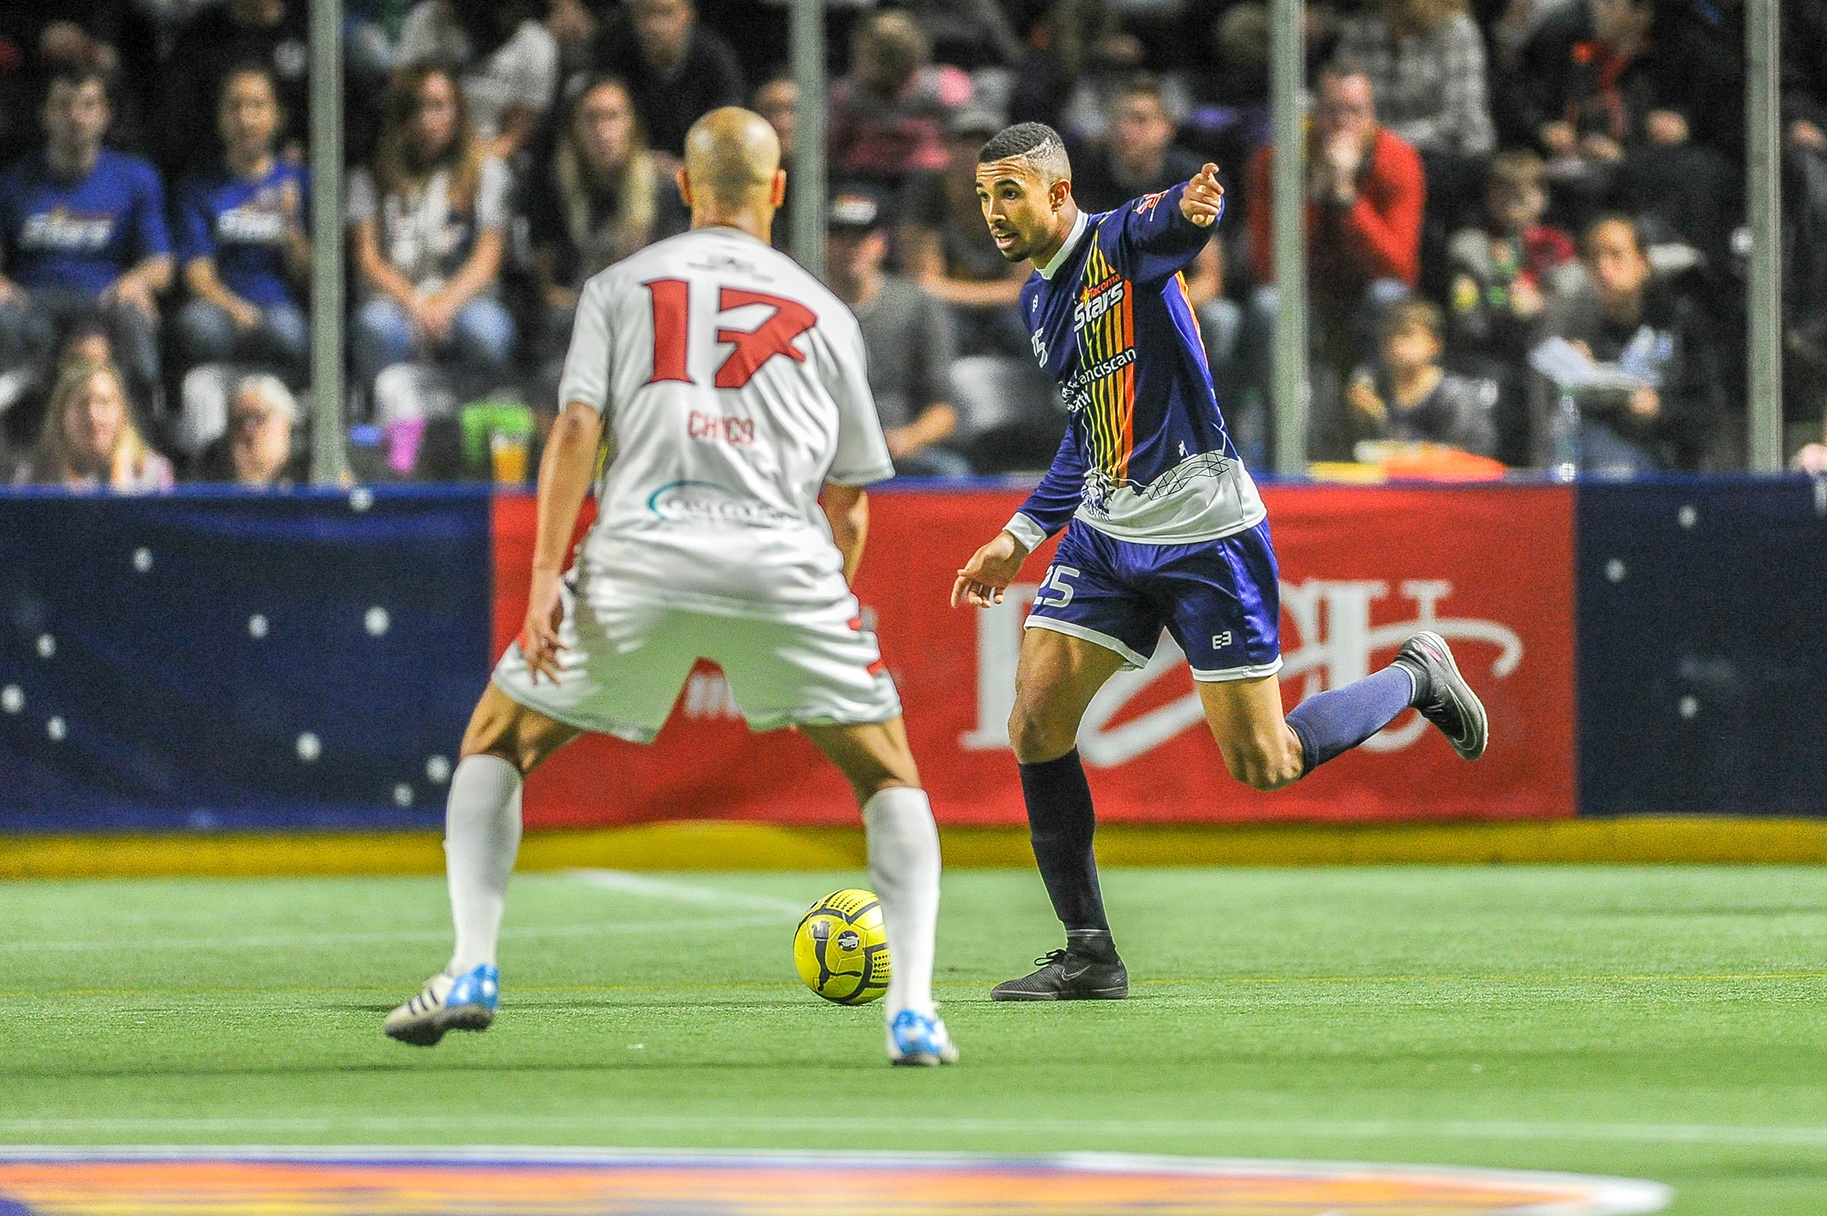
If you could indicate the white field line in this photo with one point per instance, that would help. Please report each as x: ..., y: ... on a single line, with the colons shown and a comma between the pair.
x: 497, y: 1122
x: 665, y: 888
x: 332, y: 939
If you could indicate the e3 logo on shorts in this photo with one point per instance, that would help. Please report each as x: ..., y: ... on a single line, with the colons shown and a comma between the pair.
x: 1221, y: 640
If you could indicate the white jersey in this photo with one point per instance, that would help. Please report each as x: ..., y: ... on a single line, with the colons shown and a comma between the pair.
x: 733, y: 385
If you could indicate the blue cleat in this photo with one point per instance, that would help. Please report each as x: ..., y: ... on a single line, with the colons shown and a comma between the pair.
x: 447, y: 1002
x: 916, y: 1039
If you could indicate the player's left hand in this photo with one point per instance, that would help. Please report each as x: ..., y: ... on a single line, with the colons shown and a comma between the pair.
x: 539, y: 635
x: 989, y: 572
x: 1203, y: 197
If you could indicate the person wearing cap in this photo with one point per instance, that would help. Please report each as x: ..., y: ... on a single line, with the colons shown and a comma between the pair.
x: 943, y: 247
x: 907, y: 336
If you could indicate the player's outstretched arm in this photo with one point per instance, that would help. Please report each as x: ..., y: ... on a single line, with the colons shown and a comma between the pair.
x: 989, y: 572
x: 847, y: 507
x: 564, y: 479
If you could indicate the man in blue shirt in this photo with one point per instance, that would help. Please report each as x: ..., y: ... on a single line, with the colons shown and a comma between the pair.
x: 1164, y: 528
x: 82, y: 233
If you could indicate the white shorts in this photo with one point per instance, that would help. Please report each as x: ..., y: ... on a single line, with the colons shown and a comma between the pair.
x: 624, y: 658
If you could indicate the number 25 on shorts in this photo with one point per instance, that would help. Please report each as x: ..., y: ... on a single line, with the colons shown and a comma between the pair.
x: 1057, y: 579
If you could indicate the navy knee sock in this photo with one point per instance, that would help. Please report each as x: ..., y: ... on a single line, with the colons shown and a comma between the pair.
x: 1061, y: 824
x: 1331, y: 723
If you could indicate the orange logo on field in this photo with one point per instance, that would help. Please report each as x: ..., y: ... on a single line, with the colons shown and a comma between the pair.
x: 560, y: 1183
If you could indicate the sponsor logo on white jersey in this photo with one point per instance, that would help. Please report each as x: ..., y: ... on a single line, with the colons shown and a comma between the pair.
x: 706, y: 504
x: 1330, y: 619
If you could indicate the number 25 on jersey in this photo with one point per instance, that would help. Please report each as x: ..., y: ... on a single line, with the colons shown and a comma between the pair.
x: 753, y: 347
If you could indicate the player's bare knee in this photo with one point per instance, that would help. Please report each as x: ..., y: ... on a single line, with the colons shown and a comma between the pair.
x: 1034, y: 737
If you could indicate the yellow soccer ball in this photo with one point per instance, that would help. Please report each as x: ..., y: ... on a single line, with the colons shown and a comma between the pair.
x: 841, y: 948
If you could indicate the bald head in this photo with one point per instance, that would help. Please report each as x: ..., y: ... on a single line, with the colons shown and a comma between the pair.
x: 731, y: 158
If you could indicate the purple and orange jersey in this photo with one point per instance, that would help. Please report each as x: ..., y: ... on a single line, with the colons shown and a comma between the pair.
x: 1146, y: 456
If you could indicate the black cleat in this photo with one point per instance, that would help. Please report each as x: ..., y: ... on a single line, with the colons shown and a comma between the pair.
x: 1443, y: 696
x: 1064, y: 976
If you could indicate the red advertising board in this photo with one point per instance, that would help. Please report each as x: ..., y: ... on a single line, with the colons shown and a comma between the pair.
x: 1490, y: 568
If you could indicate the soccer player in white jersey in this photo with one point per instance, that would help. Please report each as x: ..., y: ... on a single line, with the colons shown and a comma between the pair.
x: 730, y: 386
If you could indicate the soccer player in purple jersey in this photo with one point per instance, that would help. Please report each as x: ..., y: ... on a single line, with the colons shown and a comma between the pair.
x: 1164, y: 528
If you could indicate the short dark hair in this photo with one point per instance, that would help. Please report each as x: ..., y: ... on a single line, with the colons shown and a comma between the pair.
x: 1022, y: 139
x: 1516, y: 169
x: 248, y: 67
x: 1143, y: 84
x: 1343, y: 67
x: 76, y: 75
x: 1625, y: 218
x: 1416, y: 312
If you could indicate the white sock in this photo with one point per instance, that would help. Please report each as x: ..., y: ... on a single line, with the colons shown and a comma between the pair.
x: 481, y: 837
x: 904, y: 870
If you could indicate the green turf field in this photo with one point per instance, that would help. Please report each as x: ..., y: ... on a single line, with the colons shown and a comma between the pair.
x: 1662, y: 1023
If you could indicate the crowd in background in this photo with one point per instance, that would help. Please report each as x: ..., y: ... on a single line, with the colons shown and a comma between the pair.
x: 1524, y: 218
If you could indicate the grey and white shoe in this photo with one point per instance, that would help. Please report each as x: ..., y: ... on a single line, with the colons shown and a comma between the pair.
x: 1065, y: 976
x: 1443, y: 696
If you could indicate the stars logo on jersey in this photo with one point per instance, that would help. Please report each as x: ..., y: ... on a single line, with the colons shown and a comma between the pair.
x: 1146, y: 204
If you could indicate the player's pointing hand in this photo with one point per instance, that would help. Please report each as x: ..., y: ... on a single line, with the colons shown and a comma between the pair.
x: 1203, y: 198
x: 989, y: 572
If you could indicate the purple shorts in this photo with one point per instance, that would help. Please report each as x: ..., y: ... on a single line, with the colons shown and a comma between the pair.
x: 1219, y: 598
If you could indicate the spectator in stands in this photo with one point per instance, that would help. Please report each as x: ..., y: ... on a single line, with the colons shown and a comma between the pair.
x: 1805, y: 266
x: 1581, y: 82
x: 968, y: 33
x: 888, y: 116
x: 1625, y: 320
x: 1406, y: 395
x: 906, y: 334
x: 27, y: 388
x: 41, y: 38
x: 429, y: 218
x: 599, y: 196
x: 259, y: 449
x: 1426, y: 64
x: 1504, y: 267
x: 216, y: 40
x: 1365, y: 194
x: 1503, y: 270
x: 944, y: 250
x: 507, y: 63
x: 89, y: 438
x: 1074, y: 43
x: 241, y: 238
x: 82, y: 233
x: 1425, y: 60
x: 574, y: 28
x: 1138, y: 156
x: 1592, y: 87
x: 777, y: 100
x: 677, y: 69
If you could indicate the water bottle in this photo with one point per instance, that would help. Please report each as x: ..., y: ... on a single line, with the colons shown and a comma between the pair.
x: 1564, y: 430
